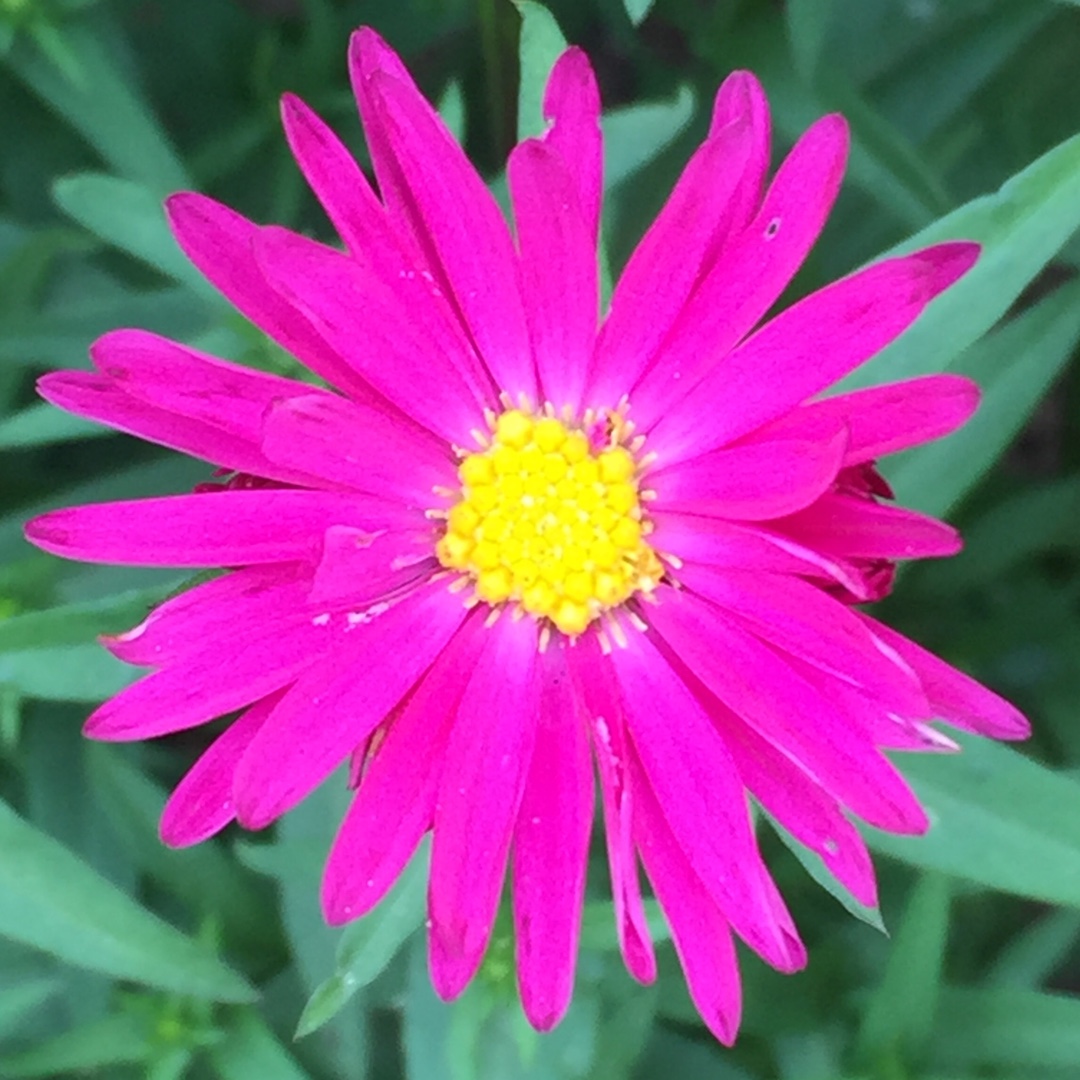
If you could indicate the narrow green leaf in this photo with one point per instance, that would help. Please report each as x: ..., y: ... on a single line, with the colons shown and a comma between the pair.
x: 368, y: 945
x: 541, y: 44
x: 1032, y: 955
x: 807, y: 24
x: 1015, y: 366
x: 77, y: 624
x: 900, y: 1014
x: 84, y: 673
x: 1020, y: 228
x: 637, y: 10
x: 997, y: 819
x: 87, y: 922
x: 25, y: 997
x: 112, y: 116
x: 1000, y: 1028
x: 251, y: 1051
x: 45, y: 425
x: 116, y: 1040
x: 128, y: 215
x: 636, y: 134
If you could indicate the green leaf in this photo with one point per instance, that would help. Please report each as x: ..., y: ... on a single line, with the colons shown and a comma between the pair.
x: 1015, y: 366
x: 637, y: 10
x: 25, y: 997
x: 541, y: 44
x: 128, y: 215
x: 812, y: 864
x: 368, y: 945
x: 112, y: 116
x: 636, y: 134
x: 598, y: 930
x: 115, y: 1040
x: 900, y: 1013
x: 1032, y: 955
x: 88, y: 922
x: 250, y: 1051
x: 807, y: 25
x: 1020, y: 229
x: 67, y: 673
x: 1000, y: 1028
x: 997, y: 819
x: 77, y: 624
x: 45, y: 425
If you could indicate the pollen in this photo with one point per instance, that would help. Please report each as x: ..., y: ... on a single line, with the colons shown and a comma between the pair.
x: 551, y: 522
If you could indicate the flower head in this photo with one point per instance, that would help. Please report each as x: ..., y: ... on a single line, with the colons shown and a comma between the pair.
x: 506, y: 538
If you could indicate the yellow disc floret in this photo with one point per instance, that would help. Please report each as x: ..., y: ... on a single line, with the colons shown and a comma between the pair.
x: 546, y: 522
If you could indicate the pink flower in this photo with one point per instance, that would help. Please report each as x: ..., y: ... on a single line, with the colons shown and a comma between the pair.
x: 514, y: 539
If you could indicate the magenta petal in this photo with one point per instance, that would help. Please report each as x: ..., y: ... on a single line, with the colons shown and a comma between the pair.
x: 806, y: 349
x: 594, y: 682
x: 228, y: 528
x: 205, y: 684
x: 487, y: 762
x: 850, y: 527
x: 219, y: 242
x: 457, y: 215
x: 201, y: 805
x: 351, y: 444
x: 395, y: 802
x: 699, y: 930
x: 885, y: 419
x: 751, y: 482
x: 802, y: 620
x: 375, y: 661
x: 572, y: 105
x: 954, y: 696
x: 183, y: 624
x: 752, y: 271
x: 698, y: 786
x: 96, y: 397
x: 359, y: 567
x: 551, y: 847
x: 766, y: 692
x: 742, y: 95
x: 558, y: 271
x: 662, y: 271
x: 371, y: 328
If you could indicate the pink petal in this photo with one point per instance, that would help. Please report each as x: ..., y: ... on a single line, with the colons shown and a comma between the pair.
x: 366, y: 322
x: 395, y: 801
x: 358, y: 567
x: 210, y: 611
x: 695, y: 781
x: 598, y: 695
x: 463, y: 230
x: 752, y: 271
x: 98, y: 398
x: 219, y: 242
x: 799, y: 804
x: 487, y: 762
x: 885, y: 419
x: 227, y: 528
x: 850, y: 527
x: 807, y: 348
x: 802, y: 620
x: 766, y: 692
x: 662, y: 271
x: 558, y: 270
x: 364, y: 225
x: 551, y: 847
x: 727, y: 545
x: 205, y: 684
x: 741, y: 95
x: 572, y: 105
x: 201, y: 805
x: 956, y: 697
x: 338, y: 703
x: 752, y: 482
x: 699, y: 930
x: 350, y: 444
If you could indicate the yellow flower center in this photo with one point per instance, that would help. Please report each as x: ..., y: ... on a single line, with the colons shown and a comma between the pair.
x: 547, y: 523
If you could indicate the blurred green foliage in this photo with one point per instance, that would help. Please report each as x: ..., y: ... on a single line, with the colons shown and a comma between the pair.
x: 120, y: 958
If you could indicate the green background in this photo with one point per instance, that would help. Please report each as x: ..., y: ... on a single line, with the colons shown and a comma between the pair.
x: 121, y: 958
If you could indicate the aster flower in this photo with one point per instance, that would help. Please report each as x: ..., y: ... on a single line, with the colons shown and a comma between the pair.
x: 507, y: 538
